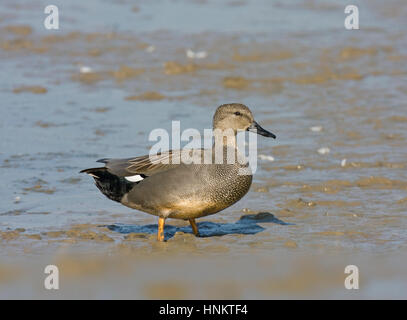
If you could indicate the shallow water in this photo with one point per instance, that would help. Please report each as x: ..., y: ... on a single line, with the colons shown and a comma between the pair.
x: 291, y: 62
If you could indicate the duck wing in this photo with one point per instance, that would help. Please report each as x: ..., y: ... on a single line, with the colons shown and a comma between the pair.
x: 149, y: 165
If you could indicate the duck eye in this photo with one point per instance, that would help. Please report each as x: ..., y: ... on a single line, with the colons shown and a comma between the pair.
x: 238, y: 113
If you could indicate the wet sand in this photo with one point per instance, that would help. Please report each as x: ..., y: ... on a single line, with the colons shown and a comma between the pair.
x: 330, y: 191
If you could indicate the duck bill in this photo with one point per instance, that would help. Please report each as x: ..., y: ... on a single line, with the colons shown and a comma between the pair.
x: 256, y: 128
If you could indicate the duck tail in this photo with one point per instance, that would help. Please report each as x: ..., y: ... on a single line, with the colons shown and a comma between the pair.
x: 111, y: 185
x: 94, y: 172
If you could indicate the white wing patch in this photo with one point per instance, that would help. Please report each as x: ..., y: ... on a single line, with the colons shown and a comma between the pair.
x: 135, y: 178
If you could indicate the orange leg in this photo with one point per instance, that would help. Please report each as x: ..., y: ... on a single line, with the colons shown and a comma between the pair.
x: 194, y: 226
x: 160, y: 233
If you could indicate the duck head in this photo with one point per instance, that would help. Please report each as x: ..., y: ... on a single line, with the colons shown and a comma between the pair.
x: 238, y: 117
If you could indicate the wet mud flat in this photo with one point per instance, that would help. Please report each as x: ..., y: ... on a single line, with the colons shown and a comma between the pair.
x: 333, y: 186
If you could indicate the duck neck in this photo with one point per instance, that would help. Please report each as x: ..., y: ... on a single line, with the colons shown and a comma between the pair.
x: 226, y: 149
x: 226, y: 138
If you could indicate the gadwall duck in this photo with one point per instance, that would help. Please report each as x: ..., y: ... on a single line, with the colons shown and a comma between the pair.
x: 166, y: 186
